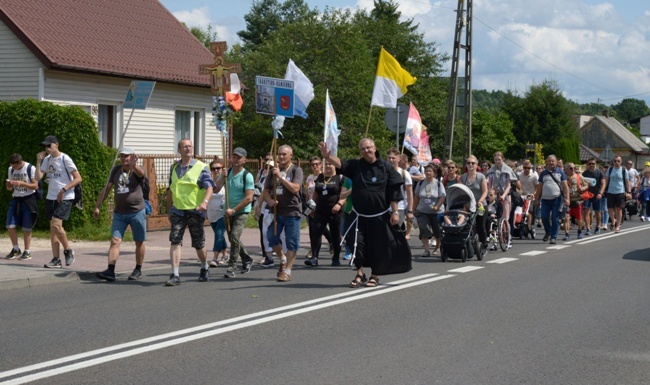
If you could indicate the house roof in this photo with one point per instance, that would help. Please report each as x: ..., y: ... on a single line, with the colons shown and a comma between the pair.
x: 137, y: 39
x: 587, y: 153
x: 634, y: 143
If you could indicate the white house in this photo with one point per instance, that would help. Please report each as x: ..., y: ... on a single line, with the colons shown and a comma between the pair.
x: 86, y: 52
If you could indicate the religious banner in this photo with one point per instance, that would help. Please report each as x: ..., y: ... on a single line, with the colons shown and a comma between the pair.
x: 138, y: 95
x: 413, y: 130
x: 424, y: 151
x: 331, y: 126
x: 274, y: 96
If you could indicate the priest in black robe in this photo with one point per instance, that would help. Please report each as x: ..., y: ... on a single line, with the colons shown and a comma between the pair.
x: 372, y: 229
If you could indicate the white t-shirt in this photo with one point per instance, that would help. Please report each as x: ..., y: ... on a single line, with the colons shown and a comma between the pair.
x: 633, y: 177
x: 401, y: 205
x: 215, y: 206
x: 528, y: 183
x: 22, y: 176
x: 56, y: 175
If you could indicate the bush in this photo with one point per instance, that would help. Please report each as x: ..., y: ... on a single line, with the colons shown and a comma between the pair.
x: 25, y: 123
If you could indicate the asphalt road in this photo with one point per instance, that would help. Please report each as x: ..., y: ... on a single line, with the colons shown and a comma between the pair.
x: 573, y: 313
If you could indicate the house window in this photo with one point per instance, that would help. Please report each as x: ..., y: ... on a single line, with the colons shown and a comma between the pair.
x: 188, y: 124
x: 107, y: 123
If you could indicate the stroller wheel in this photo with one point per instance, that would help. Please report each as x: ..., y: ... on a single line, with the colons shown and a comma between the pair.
x: 463, y: 254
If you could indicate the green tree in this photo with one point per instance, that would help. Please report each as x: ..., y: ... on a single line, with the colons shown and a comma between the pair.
x: 205, y: 36
x: 542, y: 115
x: 630, y: 109
x: 492, y: 132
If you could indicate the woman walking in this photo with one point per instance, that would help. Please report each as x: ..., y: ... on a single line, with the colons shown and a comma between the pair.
x: 429, y: 200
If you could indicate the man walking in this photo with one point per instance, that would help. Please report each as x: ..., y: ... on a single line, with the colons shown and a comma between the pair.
x: 23, y: 209
x: 577, y: 186
x: 618, y: 191
x: 62, y: 176
x: 240, y: 195
x: 190, y: 189
x: 552, y: 189
x: 126, y: 181
x: 594, y: 203
x: 282, y: 196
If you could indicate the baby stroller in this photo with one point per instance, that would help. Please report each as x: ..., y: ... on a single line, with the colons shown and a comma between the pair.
x: 520, y: 228
x: 459, y: 238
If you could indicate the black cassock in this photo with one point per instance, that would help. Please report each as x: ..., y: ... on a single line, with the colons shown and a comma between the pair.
x: 380, y: 246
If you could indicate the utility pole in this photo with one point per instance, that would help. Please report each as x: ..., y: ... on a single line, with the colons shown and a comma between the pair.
x: 463, y: 22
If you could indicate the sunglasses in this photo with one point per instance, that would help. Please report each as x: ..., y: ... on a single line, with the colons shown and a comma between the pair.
x: 315, y: 164
x: 527, y: 168
x: 47, y: 145
x: 471, y: 162
x: 591, y: 164
x: 451, y: 167
x: 216, y: 168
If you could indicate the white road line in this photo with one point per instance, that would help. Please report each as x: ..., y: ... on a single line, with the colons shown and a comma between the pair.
x: 465, y: 269
x: 502, y: 260
x: 333, y: 300
x: 533, y: 253
x: 611, y: 235
x: 557, y: 247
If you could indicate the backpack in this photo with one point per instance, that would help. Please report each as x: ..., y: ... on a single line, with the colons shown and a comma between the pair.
x: 78, y: 199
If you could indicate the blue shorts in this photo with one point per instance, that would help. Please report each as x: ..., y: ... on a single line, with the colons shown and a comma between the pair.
x: 137, y: 221
x: 291, y: 227
x: 20, y: 215
x: 594, y: 203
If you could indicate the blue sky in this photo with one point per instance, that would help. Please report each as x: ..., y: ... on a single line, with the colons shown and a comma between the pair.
x: 595, y: 50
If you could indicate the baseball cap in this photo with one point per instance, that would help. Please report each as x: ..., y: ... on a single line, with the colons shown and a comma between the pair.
x: 49, y: 140
x: 436, y: 161
x: 127, y: 151
x: 239, y: 151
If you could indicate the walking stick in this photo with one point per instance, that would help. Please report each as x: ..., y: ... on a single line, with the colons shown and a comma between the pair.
x: 225, y: 181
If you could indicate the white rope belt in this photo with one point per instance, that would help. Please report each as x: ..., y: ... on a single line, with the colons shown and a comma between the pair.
x: 355, y: 223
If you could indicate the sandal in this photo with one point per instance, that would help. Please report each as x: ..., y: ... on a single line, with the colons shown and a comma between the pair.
x: 358, y: 281
x: 618, y: 229
x: 373, y: 281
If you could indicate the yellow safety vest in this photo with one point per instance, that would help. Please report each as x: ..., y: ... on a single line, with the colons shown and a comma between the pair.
x: 186, y: 193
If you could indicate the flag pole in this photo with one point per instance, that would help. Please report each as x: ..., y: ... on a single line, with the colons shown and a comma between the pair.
x: 225, y: 182
x: 368, y: 125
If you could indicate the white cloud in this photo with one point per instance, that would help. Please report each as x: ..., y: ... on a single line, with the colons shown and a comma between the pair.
x: 197, y: 17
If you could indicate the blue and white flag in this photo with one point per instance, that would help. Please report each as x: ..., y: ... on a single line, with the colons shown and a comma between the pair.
x: 303, y: 89
x: 332, y: 131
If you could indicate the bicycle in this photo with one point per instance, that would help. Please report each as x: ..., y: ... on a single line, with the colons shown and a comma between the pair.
x: 497, y: 234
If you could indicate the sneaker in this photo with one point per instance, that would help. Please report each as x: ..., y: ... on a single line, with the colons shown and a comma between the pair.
x: 106, y: 275
x: 283, y: 277
x: 69, y: 257
x: 246, y: 266
x: 509, y: 246
x: 268, y: 262
x: 588, y: 232
x: 580, y: 236
x: 308, y: 254
x: 229, y: 274
x: 13, y: 254
x: 426, y: 254
x: 214, y: 262
x: 204, y: 275
x: 597, y: 231
x: 224, y: 260
x: 552, y: 242
x: 566, y: 237
x: 546, y: 238
x: 55, y: 263
x: 136, y: 275
x: 494, y: 247
x: 336, y: 262
x: 347, y: 256
x: 604, y: 228
x: 311, y: 262
x: 174, y: 280
x: 26, y: 256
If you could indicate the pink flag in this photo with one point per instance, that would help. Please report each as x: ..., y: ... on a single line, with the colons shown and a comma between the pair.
x: 413, y: 130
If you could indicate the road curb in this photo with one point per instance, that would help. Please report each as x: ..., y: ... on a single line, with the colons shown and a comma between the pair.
x: 40, y: 280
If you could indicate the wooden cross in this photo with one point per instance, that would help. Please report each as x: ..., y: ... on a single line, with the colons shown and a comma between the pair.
x: 220, y: 70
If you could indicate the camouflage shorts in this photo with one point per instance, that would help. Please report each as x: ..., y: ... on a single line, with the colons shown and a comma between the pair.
x: 189, y: 219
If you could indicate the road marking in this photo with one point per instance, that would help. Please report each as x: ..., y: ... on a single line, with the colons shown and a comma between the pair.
x: 557, y: 247
x: 465, y: 269
x: 533, y: 253
x: 611, y: 235
x: 200, y: 332
x: 502, y: 260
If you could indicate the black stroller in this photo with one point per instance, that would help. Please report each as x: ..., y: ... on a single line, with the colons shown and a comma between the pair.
x: 459, y: 237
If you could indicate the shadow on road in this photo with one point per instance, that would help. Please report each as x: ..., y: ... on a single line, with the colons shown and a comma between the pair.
x: 638, y: 255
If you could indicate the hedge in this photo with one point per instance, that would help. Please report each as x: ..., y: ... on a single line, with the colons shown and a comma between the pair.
x: 25, y: 123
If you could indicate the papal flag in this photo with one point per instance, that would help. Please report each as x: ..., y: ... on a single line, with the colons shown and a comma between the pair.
x: 332, y: 132
x: 391, y: 81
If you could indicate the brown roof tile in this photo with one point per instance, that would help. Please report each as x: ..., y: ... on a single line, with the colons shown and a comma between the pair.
x: 130, y: 38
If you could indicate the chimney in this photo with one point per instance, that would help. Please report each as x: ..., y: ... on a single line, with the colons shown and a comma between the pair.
x: 606, y: 113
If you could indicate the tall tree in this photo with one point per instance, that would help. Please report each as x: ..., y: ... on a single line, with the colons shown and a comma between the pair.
x: 542, y: 115
x: 205, y: 36
x: 630, y: 109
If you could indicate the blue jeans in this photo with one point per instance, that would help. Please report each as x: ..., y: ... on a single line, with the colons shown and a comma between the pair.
x: 291, y: 227
x: 219, y: 228
x: 603, y: 206
x: 550, y: 209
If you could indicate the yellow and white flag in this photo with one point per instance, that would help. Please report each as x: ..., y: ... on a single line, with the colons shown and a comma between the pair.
x: 391, y: 81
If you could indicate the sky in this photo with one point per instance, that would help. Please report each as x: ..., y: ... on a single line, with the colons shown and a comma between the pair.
x: 597, y: 51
